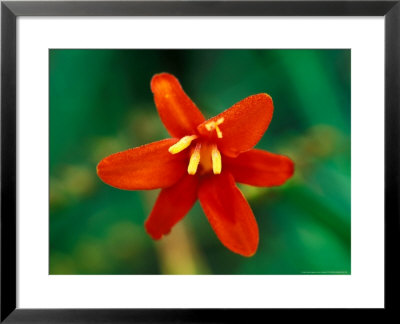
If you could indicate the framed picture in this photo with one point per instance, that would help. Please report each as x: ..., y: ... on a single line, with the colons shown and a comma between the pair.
x: 186, y: 161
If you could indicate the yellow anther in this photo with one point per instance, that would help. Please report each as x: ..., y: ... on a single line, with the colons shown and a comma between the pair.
x: 194, y: 160
x: 183, y: 143
x: 214, y: 125
x: 220, y: 121
x: 216, y: 160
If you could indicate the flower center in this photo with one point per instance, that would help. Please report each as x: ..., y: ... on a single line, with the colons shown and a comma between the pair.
x: 204, y: 154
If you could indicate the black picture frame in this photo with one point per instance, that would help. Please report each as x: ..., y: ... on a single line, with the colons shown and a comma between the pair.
x: 11, y: 10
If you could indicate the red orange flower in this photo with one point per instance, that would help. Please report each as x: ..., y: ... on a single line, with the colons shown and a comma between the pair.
x: 203, y: 159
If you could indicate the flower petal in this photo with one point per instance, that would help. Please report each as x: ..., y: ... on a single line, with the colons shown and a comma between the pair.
x: 260, y: 168
x: 243, y: 124
x: 172, y: 205
x: 177, y: 111
x: 149, y: 166
x: 229, y: 213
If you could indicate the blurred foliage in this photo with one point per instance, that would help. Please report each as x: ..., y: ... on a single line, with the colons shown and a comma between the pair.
x: 101, y: 103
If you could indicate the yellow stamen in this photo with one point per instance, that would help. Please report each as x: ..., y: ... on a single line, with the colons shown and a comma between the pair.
x: 194, y: 160
x: 183, y: 143
x: 216, y: 160
x: 214, y: 125
x: 219, y: 133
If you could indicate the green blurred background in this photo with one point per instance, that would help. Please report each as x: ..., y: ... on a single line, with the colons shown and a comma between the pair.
x: 101, y: 103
